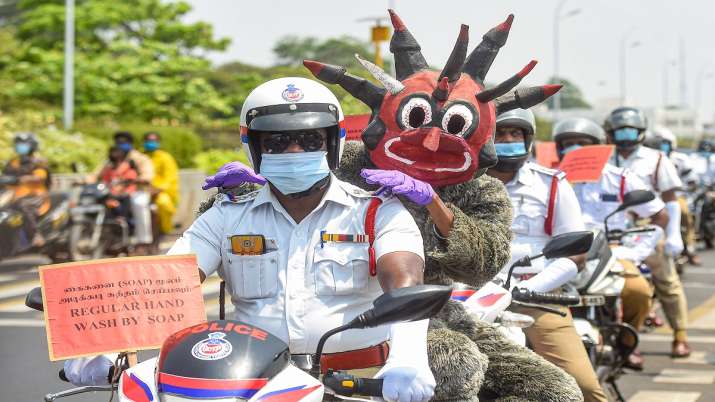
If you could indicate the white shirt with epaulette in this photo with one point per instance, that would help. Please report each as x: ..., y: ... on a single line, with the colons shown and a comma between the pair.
x: 600, y: 198
x: 529, y: 192
x: 301, y: 288
x: 643, y: 162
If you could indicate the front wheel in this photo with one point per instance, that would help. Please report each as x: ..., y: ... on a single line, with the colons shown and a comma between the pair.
x: 80, y: 242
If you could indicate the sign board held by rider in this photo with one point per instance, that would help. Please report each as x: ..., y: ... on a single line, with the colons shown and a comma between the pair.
x: 119, y: 304
x: 584, y: 165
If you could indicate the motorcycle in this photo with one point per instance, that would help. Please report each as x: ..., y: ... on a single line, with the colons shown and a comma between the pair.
x: 16, y: 235
x: 99, y: 229
x: 260, y: 371
x: 492, y: 301
x: 598, y: 317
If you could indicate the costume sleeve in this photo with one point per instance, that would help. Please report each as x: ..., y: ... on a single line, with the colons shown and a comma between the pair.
x: 567, y: 211
x: 396, y: 230
x: 203, y: 238
x: 478, y: 244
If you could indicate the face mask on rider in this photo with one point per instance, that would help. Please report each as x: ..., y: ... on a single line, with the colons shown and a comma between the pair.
x: 22, y: 148
x: 151, y: 146
x: 507, y: 149
x: 625, y: 134
x: 125, y: 146
x: 665, y: 147
x: 295, y: 172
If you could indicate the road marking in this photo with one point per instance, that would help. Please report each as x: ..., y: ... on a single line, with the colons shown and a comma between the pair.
x: 7, y: 277
x: 14, y: 305
x: 18, y: 288
x: 664, y: 396
x: 698, y: 285
x: 706, y: 321
x: 21, y: 322
x: 683, y: 376
x: 669, y: 338
x: 697, y: 358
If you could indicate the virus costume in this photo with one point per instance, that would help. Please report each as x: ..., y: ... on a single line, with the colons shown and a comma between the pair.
x: 438, y: 127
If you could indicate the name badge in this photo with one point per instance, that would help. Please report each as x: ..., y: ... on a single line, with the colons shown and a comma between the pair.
x: 248, y: 244
x: 609, y: 197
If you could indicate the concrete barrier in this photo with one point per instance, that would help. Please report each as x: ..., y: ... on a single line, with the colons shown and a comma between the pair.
x: 190, y: 193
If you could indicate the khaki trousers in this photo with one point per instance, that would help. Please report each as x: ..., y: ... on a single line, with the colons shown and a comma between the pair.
x: 555, y: 339
x: 669, y: 290
x: 636, y: 296
x: 687, y: 220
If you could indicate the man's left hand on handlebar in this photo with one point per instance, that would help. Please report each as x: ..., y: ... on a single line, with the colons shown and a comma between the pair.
x: 88, y: 370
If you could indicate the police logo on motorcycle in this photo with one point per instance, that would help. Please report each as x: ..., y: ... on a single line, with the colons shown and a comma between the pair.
x: 213, y: 348
x: 292, y: 94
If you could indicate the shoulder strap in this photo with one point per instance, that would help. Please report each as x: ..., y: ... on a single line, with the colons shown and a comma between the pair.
x: 622, y: 190
x: 655, y: 174
x: 370, y: 216
x: 549, y: 222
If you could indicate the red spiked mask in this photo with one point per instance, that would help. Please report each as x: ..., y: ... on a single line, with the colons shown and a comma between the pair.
x: 437, y: 127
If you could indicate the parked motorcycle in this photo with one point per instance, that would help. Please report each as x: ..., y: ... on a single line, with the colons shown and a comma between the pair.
x: 261, y: 367
x: 15, y: 234
x: 598, y: 317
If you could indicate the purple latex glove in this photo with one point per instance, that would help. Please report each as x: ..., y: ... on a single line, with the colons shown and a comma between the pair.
x: 396, y: 182
x: 233, y: 174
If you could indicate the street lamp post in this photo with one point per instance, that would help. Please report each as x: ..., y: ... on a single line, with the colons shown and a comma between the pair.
x: 624, y: 47
x: 703, y: 75
x: 68, y: 99
x: 558, y: 16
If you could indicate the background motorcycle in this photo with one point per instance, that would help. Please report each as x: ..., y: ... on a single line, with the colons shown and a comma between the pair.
x: 598, y: 317
x: 15, y: 234
x: 255, y: 359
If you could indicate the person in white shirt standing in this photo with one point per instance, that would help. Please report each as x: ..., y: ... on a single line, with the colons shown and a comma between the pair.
x: 307, y: 252
x: 625, y: 127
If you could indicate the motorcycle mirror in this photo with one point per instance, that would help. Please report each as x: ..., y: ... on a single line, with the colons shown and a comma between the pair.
x: 404, y: 304
x: 568, y: 244
x: 412, y: 303
x: 635, y: 197
x: 33, y: 299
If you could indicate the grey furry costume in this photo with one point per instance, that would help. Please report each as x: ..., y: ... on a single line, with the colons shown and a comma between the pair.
x: 466, y: 356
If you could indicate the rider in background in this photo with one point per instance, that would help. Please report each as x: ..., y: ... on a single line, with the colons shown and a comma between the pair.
x: 544, y: 205
x: 165, y: 182
x: 600, y: 199
x: 120, y: 175
x: 33, y: 182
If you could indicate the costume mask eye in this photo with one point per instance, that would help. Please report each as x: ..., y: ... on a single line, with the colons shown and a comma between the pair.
x: 457, y: 120
x: 416, y: 113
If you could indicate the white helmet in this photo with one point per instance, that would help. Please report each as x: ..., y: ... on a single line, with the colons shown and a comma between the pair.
x: 290, y: 104
x: 665, y: 134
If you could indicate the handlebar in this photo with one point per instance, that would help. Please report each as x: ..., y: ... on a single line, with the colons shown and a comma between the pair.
x: 527, y: 296
x: 347, y: 385
x: 618, y: 234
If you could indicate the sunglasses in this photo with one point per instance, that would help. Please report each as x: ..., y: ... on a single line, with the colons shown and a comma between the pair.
x: 277, y: 143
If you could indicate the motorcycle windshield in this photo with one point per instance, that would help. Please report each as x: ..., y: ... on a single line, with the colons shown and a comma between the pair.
x: 219, y: 360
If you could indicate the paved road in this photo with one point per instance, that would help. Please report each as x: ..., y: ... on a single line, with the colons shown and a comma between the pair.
x: 28, y: 376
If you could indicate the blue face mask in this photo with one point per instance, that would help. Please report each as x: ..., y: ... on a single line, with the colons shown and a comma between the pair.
x: 625, y: 134
x: 22, y: 148
x: 569, y: 149
x: 151, y: 146
x: 125, y: 146
x: 294, y: 172
x: 507, y: 149
x: 665, y: 147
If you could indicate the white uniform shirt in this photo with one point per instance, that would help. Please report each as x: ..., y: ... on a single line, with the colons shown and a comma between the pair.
x: 684, y: 165
x: 600, y: 198
x: 643, y: 162
x: 299, y: 289
x: 529, y: 193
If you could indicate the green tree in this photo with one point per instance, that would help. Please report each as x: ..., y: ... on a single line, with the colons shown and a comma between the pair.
x: 292, y: 50
x: 571, y: 95
x: 135, y: 59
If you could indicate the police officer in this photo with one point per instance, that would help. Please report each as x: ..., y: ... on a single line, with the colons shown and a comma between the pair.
x: 625, y: 127
x: 295, y: 255
x: 599, y: 199
x: 544, y: 205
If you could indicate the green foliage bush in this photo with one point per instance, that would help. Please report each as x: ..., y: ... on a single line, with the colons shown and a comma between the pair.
x: 211, y: 160
x: 181, y: 142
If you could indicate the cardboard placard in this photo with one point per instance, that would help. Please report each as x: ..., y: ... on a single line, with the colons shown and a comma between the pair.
x: 584, y: 165
x: 546, y: 154
x: 354, y: 124
x: 119, y: 304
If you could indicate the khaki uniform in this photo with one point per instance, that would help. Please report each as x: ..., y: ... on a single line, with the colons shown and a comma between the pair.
x: 552, y: 336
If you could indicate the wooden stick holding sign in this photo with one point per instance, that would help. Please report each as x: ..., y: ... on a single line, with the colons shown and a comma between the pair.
x: 119, y: 304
